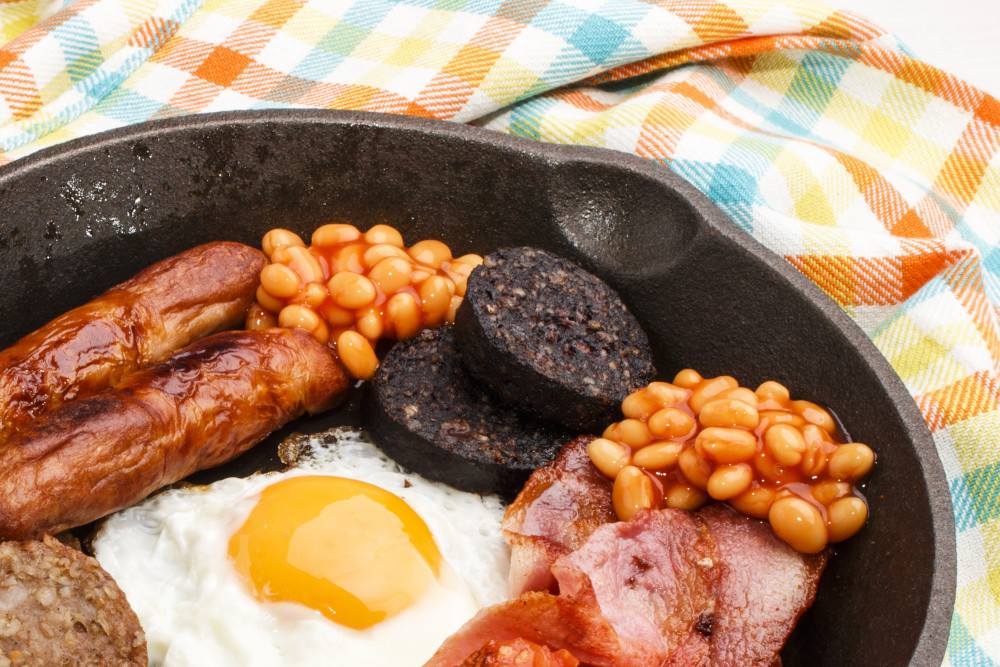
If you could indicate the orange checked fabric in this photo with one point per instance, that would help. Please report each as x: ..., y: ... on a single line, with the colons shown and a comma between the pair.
x: 874, y: 174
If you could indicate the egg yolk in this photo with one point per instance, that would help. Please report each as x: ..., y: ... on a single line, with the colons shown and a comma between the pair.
x: 350, y: 550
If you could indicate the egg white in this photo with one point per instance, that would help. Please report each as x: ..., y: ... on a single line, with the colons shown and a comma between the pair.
x: 169, y: 556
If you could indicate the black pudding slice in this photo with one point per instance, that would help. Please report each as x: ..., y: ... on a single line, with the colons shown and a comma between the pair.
x: 551, y: 338
x: 423, y: 410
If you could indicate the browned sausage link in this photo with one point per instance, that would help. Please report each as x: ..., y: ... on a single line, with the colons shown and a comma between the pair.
x: 200, y: 408
x: 139, y: 322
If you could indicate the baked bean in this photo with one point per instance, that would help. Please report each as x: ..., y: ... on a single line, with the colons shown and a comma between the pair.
x: 465, y: 264
x: 335, y: 316
x: 814, y: 456
x: 773, y: 391
x: 814, y: 414
x: 709, y: 389
x: 335, y: 234
x: 696, y: 469
x: 609, y: 456
x: 728, y: 481
x: 755, y: 501
x: 827, y: 491
x: 684, y: 497
x: 710, y: 438
x: 304, y: 317
x: 377, y: 253
x: 725, y: 445
x: 740, y: 394
x: 391, y: 274
x: 384, y: 234
x: 845, y: 517
x: 258, y: 318
x: 302, y: 262
x: 770, y: 470
x: 799, y: 524
x: 281, y: 255
x: 352, y: 280
x: 729, y: 412
x: 769, y: 418
x: 687, y: 378
x: 404, y: 313
x: 639, y: 405
x: 351, y: 290
x: 631, y: 491
x: 419, y: 274
x: 643, y: 403
x: 269, y: 302
x: 785, y: 443
x: 349, y: 258
x: 666, y: 394
x: 435, y: 295
x: 459, y: 270
x: 313, y: 295
x: 280, y: 281
x: 657, y: 456
x: 370, y: 323
x: 672, y: 423
x: 631, y: 432
x: 279, y: 238
x: 456, y: 301
x: 431, y: 253
x: 851, y: 461
x: 356, y: 354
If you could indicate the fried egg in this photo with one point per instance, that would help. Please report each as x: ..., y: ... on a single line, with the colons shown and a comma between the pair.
x: 341, y: 559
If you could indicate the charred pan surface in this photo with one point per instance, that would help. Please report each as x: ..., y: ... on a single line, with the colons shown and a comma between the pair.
x: 59, y: 607
x: 426, y: 413
x: 551, y: 338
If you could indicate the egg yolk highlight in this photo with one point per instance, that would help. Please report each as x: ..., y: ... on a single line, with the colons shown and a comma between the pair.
x: 350, y: 550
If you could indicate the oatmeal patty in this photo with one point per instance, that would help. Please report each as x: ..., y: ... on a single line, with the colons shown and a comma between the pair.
x: 59, y: 607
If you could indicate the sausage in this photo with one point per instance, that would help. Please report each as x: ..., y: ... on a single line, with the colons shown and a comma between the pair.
x: 141, y: 321
x: 200, y: 408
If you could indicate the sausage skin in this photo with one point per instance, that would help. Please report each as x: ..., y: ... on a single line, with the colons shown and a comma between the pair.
x: 200, y: 408
x: 138, y: 322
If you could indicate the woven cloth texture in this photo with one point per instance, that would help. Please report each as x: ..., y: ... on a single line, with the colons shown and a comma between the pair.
x: 820, y: 134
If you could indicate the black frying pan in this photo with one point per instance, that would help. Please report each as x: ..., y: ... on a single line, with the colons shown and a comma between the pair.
x: 83, y: 216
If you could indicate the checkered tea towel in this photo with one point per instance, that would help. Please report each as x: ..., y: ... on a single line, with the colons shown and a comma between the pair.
x: 873, y: 173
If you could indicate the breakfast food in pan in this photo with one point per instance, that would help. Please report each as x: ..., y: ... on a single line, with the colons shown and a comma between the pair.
x: 330, y: 540
x: 771, y: 457
x: 424, y: 411
x: 429, y: 408
x: 551, y: 338
x: 554, y: 514
x: 200, y: 408
x: 710, y: 585
x: 353, y: 288
x: 141, y: 321
x: 59, y: 607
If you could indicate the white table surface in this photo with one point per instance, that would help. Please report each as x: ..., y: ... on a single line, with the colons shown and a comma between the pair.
x: 961, y: 37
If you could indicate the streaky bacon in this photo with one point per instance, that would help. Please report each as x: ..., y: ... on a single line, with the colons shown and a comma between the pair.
x: 765, y: 587
x: 519, y: 653
x: 668, y: 588
x: 655, y: 579
x: 556, y: 621
x: 560, y: 506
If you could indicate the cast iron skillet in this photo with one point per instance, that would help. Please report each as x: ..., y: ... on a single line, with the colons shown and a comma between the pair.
x: 83, y: 216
